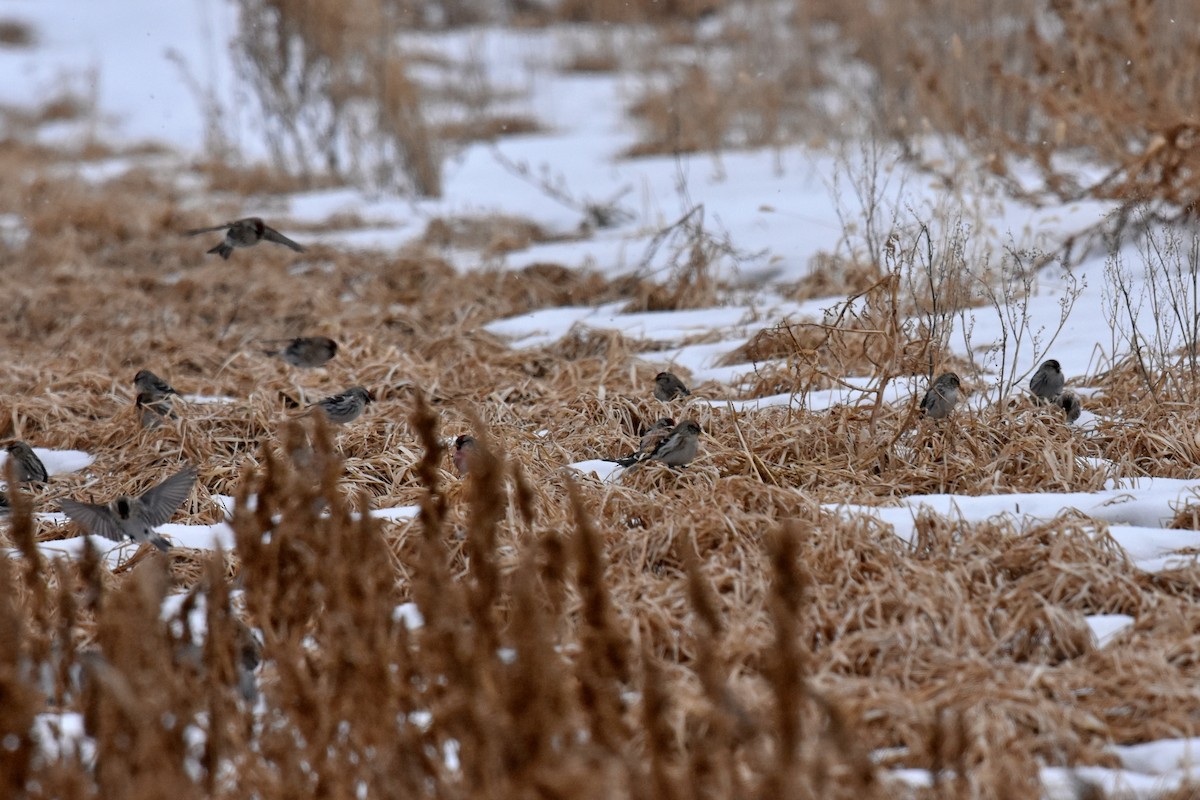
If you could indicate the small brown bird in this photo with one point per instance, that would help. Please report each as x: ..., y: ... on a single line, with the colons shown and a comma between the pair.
x: 346, y: 406
x: 304, y: 351
x: 151, y: 387
x: 27, y: 467
x: 667, y: 387
x: 942, y: 397
x: 465, y: 451
x: 678, y: 449
x: 1069, y: 402
x: 152, y: 414
x: 245, y: 233
x: 1047, y: 383
x: 651, y: 439
x: 135, y: 517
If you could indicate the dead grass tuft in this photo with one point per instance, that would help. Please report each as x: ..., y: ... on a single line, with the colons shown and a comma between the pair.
x: 494, y: 235
x: 834, y: 276
x: 488, y: 128
x: 16, y: 34
x: 597, y: 58
x: 636, y: 11
x: 258, y: 179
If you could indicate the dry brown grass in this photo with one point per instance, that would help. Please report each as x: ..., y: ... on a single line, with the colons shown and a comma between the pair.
x: 712, y: 632
x: 1042, y: 84
x: 1047, y: 85
x: 637, y: 10
x: 834, y: 276
x: 15, y: 33
x: 493, y: 234
x: 757, y: 82
x: 260, y: 179
x: 336, y: 94
x: 488, y: 127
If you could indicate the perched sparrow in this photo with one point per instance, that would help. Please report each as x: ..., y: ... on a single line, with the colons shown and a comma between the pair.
x: 1068, y: 401
x: 942, y: 397
x: 27, y: 466
x: 465, y: 450
x: 153, y: 413
x: 245, y: 233
x: 1047, y: 383
x: 678, y: 449
x: 135, y: 517
x: 347, y: 406
x: 305, y: 351
x: 151, y: 388
x: 667, y: 387
x: 651, y: 439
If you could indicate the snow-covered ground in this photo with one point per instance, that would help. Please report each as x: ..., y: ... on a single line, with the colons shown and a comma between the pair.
x: 135, y: 61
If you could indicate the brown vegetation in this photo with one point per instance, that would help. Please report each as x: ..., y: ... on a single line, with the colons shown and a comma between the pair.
x: 1043, y: 84
x: 15, y: 33
x: 718, y: 631
x: 711, y: 632
x: 335, y: 94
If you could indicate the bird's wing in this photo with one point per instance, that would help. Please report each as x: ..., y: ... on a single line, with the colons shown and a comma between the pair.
x: 95, y: 519
x: 162, y: 501
x: 196, y: 231
x: 36, y: 467
x: 272, y: 235
x: 664, y: 447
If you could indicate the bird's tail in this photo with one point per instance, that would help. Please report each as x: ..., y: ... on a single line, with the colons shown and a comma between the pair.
x: 224, y: 250
x: 627, y: 461
x: 634, y: 464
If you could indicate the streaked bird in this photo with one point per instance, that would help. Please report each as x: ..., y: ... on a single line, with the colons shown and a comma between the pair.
x: 942, y: 397
x: 27, y: 467
x: 245, y: 233
x: 151, y: 387
x: 651, y: 439
x: 667, y: 386
x: 465, y: 451
x: 1047, y: 383
x: 304, y: 351
x: 135, y: 517
x: 1069, y: 402
x: 346, y: 406
x: 677, y: 449
x: 152, y: 414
